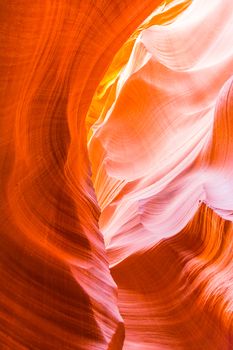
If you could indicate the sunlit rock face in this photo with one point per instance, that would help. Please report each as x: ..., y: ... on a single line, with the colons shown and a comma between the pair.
x: 116, y: 175
x: 161, y: 148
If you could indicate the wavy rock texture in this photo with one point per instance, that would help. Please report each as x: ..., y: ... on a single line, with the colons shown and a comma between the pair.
x: 56, y: 288
x: 116, y: 175
x: 161, y: 149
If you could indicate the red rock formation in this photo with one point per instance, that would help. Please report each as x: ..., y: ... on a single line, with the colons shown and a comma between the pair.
x: 116, y: 125
x: 56, y: 289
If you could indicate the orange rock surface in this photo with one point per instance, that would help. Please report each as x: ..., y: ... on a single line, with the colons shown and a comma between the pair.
x: 116, y: 168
